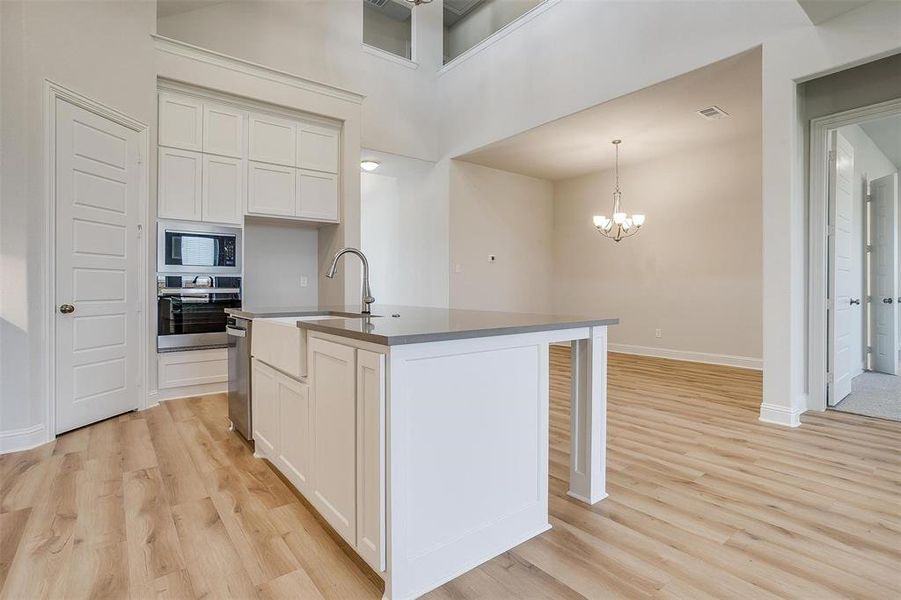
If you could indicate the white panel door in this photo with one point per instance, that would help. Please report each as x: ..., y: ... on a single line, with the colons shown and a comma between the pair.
x: 270, y: 190
x: 223, y: 130
x: 265, y: 409
x: 317, y: 195
x: 333, y: 375
x: 223, y: 189
x: 181, y: 122
x: 180, y: 183
x: 295, y: 455
x: 97, y: 202
x: 843, y: 314
x: 272, y: 140
x: 884, y: 273
x: 371, y: 458
x: 317, y: 148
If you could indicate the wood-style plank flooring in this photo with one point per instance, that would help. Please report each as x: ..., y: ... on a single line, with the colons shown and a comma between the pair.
x: 705, y: 502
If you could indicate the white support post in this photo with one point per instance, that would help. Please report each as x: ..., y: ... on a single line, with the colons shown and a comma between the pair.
x: 588, y: 422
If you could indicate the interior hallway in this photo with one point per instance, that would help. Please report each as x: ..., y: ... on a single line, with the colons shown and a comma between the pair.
x: 705, y: 501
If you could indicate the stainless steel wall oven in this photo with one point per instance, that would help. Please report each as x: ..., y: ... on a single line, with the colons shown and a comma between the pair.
x: 191, y: 310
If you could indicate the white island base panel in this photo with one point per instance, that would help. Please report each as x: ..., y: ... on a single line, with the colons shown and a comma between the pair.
x: 467, y: 449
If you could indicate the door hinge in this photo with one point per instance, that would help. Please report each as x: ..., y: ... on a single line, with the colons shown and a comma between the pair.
x: 832, y: 155
x: 869, y: 197
x: 140, y: 231
x: 869, y: 248
x: 869, y: 350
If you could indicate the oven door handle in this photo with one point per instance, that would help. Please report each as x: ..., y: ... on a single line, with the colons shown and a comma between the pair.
x: 236, y: 332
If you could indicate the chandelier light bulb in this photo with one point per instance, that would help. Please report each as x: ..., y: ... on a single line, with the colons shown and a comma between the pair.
x: 638, y: 220
x: 619, y: 218
x: 600, y: 221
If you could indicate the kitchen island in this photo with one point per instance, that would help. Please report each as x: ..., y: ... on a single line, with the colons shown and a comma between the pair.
x: 421, y: 434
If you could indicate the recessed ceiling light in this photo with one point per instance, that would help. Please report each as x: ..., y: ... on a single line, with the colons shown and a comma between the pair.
x: 369, y: 165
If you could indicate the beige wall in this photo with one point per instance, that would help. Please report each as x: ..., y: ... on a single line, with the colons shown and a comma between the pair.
x: 694, y: 271
x: 510, y: 216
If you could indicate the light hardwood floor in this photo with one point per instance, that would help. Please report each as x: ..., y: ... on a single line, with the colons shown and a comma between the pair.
x: 705, y: 502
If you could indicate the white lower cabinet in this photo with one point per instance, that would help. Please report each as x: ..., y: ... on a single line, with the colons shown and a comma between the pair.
x: 333, y: 372
x: 370, y: 542
x: 265, y: 409
x: 295, y: 434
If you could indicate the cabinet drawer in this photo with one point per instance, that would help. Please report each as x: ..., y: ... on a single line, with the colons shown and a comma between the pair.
x: 195, y: 367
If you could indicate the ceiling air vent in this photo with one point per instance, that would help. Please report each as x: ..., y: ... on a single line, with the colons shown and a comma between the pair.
x: 377, y: 3
x: 713, y: 113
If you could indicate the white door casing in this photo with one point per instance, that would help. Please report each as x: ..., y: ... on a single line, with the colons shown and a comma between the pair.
x: 884, y: 273
x: 97, y: 267
x: 841, y: 282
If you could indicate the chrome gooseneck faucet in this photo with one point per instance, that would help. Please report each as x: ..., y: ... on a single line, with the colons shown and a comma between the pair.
x: 367, y: 293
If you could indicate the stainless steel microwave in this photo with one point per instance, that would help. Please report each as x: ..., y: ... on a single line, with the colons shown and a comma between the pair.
x: 184, y: 247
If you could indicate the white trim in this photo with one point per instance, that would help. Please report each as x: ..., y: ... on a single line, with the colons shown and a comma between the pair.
x: 389, y: 56
x: 780, y: 415
x: 26, y: 438
x: 499, y: 34
x: 168, y: 45
x: 818, y: 208
x: 52, y: 92
x: 728, y: 360
x: 189, y: 391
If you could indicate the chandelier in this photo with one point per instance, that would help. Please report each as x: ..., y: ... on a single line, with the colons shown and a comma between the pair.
x: 620, y: 225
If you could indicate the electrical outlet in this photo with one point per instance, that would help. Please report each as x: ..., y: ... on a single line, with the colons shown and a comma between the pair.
x: 304, y: 281
x: 492, y: 258
x: 458, y: 268
x: 658, y: 333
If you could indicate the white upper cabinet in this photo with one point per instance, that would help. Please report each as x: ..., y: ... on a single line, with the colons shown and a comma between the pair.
x: 272, y: 140
x: 180, y: 183
x: 317, y: 148
x: 271, y: 190
x: 223, y: 130
x: 317, y: 195
x: 181, y: 122
x: 223, y: 189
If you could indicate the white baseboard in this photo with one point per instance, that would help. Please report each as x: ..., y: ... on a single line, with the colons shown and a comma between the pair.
x: 780, y: 415
x: 23, y: 439
x: 742, y: 362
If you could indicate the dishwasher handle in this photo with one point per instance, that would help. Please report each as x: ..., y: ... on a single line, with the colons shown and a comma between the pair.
x: 236, y: 332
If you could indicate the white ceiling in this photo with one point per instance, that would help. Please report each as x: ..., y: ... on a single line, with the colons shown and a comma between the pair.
x: 819, y: 11
x: 886, y: 134
x: 652, y: 122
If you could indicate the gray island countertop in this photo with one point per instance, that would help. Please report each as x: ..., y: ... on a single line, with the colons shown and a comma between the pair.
x: 395, y: 325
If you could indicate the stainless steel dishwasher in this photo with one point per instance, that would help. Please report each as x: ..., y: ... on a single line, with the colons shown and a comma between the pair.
x: 239, y: 396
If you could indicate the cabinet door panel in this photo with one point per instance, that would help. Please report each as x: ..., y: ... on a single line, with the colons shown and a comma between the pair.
x: 265, y: 409
x: 223, y: 189
x: 317, y: 148
x: 333, y: 377
x: 223, y: 130
x: 181, y: 122
x: 371, y: 458
x: 295, y: 454
x: 179, y: 185
x: 317, y: 195
x: 272, y: 140
x: 271, y: 190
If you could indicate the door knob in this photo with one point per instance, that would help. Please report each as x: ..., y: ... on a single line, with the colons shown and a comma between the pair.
x: 66, y: 309
x: 888, y: 300
x: 855, y: 301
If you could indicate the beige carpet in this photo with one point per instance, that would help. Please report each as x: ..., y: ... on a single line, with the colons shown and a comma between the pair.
x: 874, y: 395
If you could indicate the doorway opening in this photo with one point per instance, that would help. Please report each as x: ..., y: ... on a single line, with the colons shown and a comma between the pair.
x: 860, y: 160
